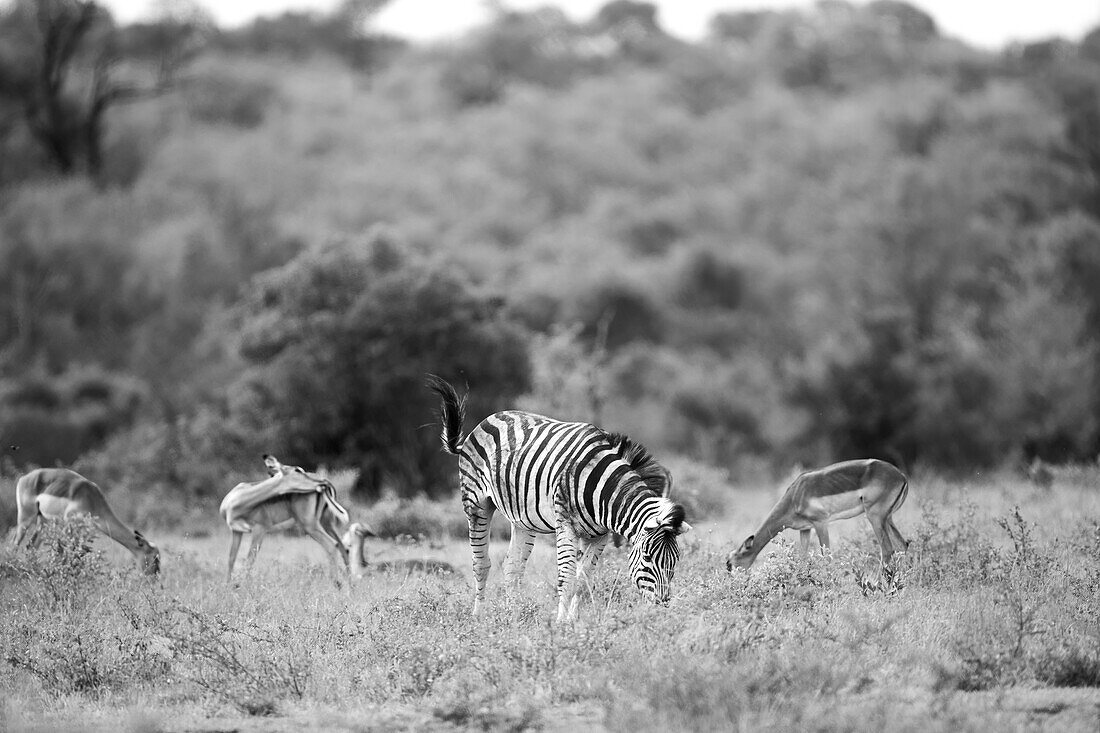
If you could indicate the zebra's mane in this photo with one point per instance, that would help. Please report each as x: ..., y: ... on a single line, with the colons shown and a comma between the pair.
x: 641, y: 461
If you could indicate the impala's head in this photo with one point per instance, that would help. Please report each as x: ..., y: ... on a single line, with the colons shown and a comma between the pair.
x: 654, y: 552
x: 743, y: 556
x: 356, y: 533
x: 148, y: 555
x: 352, y: 540
x: 275, y: 468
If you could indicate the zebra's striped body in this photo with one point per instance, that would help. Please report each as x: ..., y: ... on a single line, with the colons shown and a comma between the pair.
x: 567, y: 478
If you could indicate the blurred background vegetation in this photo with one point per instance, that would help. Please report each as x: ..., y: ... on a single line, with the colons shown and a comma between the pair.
x: 813, y: 235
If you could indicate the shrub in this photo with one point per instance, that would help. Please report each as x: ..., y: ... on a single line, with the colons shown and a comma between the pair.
x: 64, y: 565
x: 951, y: 550
x: 419, y: 519
x: 336, y: 370
x: 82, y: 647
x: 232, y: 100
x: 704, y: 491
x: 230, y: 657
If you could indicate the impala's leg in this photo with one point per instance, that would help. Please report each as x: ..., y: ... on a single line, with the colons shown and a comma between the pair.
x: 234, y: 546
x: 36, y: 529
x: 589, y: 557
x: 329, y: 528
x: 804, y: 538
x: 567, y: 567
x: 822, y: 529
x: 900, y: 543
x: 331, y: 547
x: 26, y: 507
x: 519, y: 549
x: 258, y: 533
x: 23, y: 524
x: 479, y: 512
x: 878, y: 525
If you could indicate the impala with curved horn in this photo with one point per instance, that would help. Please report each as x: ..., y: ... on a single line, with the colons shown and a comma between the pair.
x: 58, y: 493
x: 840, y: 491
x: 290, y: 497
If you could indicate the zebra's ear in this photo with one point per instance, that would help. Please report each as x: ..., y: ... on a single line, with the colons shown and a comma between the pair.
x: 669, y: 520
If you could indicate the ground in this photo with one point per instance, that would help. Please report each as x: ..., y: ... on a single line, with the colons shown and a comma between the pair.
x: 991, y: 624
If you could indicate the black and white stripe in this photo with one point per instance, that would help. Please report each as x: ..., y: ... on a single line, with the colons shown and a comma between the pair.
x: 568, y: 478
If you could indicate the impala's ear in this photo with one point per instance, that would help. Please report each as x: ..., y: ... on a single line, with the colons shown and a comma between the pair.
x: 356, y: 529
x: 747, y: 544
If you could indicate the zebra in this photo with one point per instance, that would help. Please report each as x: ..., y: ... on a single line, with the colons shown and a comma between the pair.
x: 571, y: 479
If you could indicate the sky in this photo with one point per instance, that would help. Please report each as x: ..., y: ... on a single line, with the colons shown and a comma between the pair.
x: 984, y: 23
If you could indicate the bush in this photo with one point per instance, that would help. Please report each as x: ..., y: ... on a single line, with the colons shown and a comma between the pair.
x: 336, y: 369
x: 418, y: 519
x: 81, y: 648
x: 220, y: 98
x: 706, y: 280
x: 227, y: 656
x: 704, y: 491
x: 55, y: 418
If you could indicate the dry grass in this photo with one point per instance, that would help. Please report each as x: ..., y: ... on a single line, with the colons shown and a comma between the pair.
x: 994, y: 627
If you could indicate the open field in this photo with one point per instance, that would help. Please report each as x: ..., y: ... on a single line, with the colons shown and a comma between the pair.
x: 995, y: 626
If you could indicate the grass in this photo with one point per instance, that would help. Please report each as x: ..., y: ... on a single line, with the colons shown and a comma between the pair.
x: 993, y: 626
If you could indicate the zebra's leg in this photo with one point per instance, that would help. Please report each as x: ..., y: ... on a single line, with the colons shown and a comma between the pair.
x: 567, y: 567
x: 589, y: 557
x: 479, y: 512
x: 519, y: 549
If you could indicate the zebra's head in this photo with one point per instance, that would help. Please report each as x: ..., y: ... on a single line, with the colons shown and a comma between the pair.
x: 654, y: 552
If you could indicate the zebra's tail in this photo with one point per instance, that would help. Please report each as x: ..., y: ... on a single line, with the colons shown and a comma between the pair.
x: 452, y: 412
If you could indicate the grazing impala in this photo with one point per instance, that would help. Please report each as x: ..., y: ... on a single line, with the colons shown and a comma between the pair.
x: 58, y: 493
x: 289, y: 498
x: 839, y: 491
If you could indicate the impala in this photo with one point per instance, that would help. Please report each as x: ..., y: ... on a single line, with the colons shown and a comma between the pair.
x: 58, y: 493
x: 288, y: 498
x: 840, y: 491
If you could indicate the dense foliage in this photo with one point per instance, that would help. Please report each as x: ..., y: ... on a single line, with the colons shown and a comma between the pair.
x: 815, y: 235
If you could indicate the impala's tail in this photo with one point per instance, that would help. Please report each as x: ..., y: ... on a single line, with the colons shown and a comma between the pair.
x: 328, y: 493
x: 901, y: 496
x: 452, y: 412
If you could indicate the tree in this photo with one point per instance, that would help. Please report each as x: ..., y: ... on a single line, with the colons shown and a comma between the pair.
x: 65, y: 64
x: 337, y: 344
